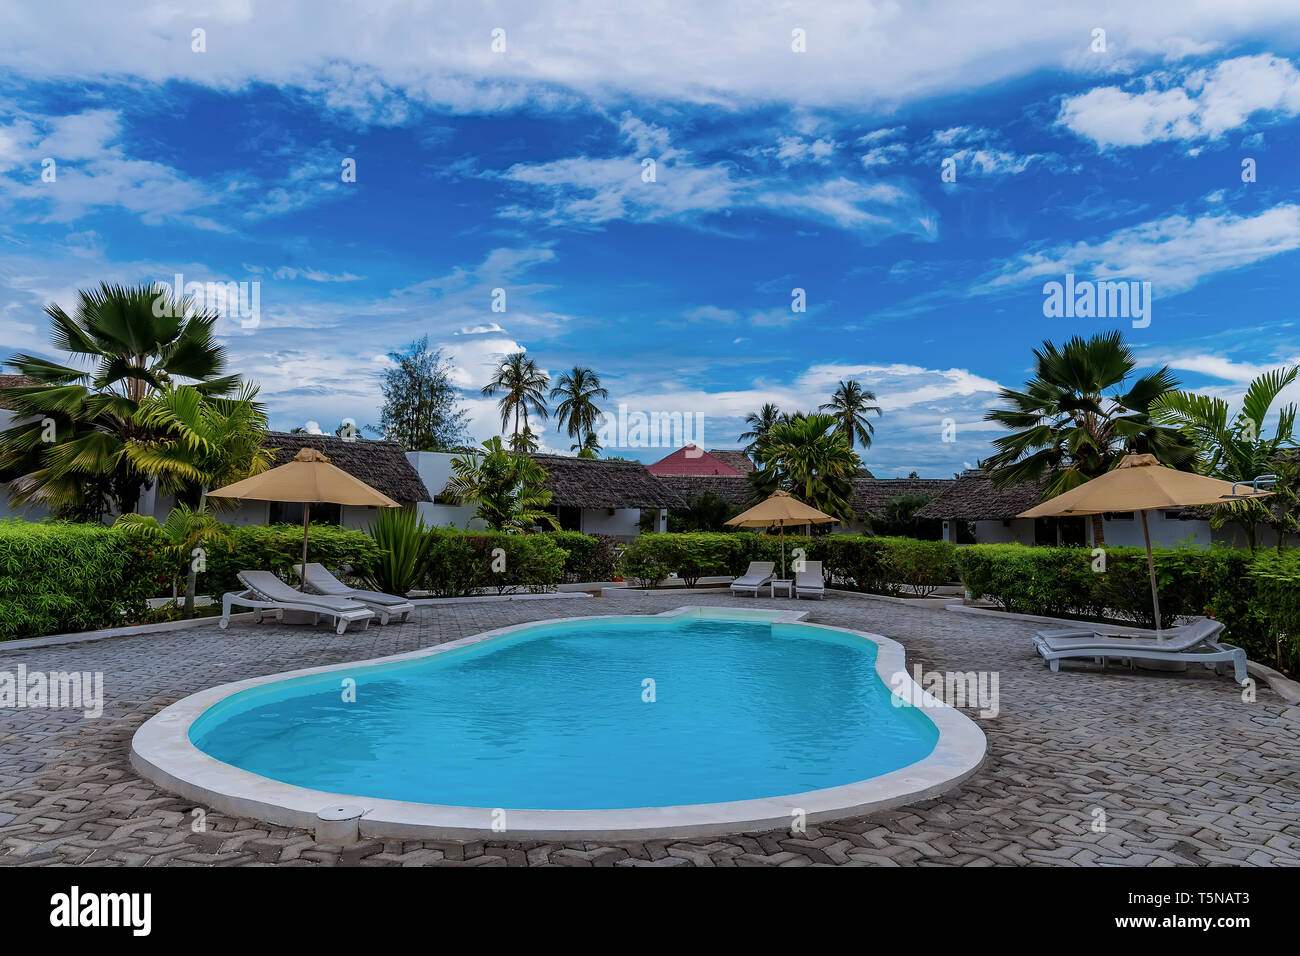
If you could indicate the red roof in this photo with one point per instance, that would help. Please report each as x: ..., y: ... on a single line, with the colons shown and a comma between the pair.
x: 691, y: 461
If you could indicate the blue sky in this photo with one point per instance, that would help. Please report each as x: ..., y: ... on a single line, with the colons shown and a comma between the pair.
x: 774, y: 170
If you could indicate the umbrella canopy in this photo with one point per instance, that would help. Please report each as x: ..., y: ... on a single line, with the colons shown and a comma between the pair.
x: 780, y: 509
x: 308, y: 479
x: 1139, y: 483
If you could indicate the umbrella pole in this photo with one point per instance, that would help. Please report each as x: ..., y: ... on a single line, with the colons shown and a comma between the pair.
x: 302, y: 568
x: 782, y: 550
x: 1151, y: 570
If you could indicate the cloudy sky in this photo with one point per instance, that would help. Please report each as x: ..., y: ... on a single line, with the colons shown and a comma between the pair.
x: 919, y: 170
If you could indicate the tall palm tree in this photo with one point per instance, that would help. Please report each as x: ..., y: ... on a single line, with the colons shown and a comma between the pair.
x: 1235, y: 448
x: 1068, y: 430
x: 577, y: 413
x: 70, y: 447
x: 522, y: 387
x: 850, y: 405
x: 808, y: 456
x: 760, y: 424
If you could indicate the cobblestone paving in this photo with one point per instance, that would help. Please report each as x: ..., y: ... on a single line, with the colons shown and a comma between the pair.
x: 1184, y: 771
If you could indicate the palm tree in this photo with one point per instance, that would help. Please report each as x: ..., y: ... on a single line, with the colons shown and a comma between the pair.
x: 197, y: 443
x: 849, y: 404
x: 808, y: 456
x: 589, y: 447
x: 760, y: 424
x: 1234, y: 448
x: 507, y: 486
x: 577, y: 413
x: 184, y: 531
x: 1067, y: 430
x: 522, y: 387
x: 70, y: 447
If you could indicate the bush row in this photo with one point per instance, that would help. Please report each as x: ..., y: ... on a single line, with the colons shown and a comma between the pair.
x: 462, y: 563
x: 855, y: 562
x: 1256, y: 596
x: 57, y: 577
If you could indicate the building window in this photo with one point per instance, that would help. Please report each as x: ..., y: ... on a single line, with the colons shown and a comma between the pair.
x: 1119, y: 516
x: 290, y: 512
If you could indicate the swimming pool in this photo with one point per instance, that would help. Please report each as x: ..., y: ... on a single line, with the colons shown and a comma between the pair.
x: 616, y: 724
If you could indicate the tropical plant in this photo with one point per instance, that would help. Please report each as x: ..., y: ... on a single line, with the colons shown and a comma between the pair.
x: 196, y: 443
x: 808, y: 456
x: 522, y: 387
x: 422, y: 410
x: 577, y: 412
x: 405, y: 540
x: 524, y: 442
x: 760, y: 424
x: 588, y: 448
x: 183, y: 537
x: 1234, y: 447
x: 507, y: 486
x: 850, y: 405
x: 1067, y: 430
x: 69, y: 447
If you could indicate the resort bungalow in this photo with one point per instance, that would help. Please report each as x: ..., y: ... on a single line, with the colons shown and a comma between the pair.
x: 592, y: 495
x: 992, y: 511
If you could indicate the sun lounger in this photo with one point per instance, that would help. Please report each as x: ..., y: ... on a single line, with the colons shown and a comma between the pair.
x: 755, y: 577
x: 265, y: 592
x: 809, y: 582
x: 320, y: 581
x: 1192, y: 643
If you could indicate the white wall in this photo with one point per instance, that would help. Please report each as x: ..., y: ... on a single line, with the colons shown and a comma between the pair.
x: 1015, y: 531
x: 434, y: 468
x: 623, y: 522
x: 1165, y: 532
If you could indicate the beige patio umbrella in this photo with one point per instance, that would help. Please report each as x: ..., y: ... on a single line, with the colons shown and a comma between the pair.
x: 308, y: 479
x: 781, y: 509
x: 1139, y: 483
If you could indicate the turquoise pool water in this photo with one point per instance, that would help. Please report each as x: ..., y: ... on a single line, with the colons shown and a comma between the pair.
x: 554, y: 717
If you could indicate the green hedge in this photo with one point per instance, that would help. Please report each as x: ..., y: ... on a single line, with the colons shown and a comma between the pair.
x: 462, y: 563
x: 57, y: 577
x: 591, y: 557
x: 855, y: 562
x: 1254, y: 595
x: 278, y: 548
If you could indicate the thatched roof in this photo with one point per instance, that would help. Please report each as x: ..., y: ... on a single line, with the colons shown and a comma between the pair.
x: 734, y: 457
x: 380, y: 464
x: 599, y: 483
x: 972, y: 497
x: 732, y: 488
x: 872, y: 495
x: 14, y: 381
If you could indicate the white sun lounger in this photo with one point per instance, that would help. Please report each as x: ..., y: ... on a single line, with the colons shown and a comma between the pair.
x: 1192, y: 643
x: 320, y: 581
x: 755, y: 577
x: 266, y: 592
x: 809, y: 582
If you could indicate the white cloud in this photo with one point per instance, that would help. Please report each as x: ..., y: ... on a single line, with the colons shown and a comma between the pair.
x: 1174, y: 253
x: 1200, y: 104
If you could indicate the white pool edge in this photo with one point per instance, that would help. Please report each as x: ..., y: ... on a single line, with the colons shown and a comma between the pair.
x: 162, y: 753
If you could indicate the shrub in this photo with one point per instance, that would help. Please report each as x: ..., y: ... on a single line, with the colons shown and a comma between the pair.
x: 57, y: 577
x: 404, y: 550
x: 653, y: 557
x: 462, y: 563
x: 1060, y: 582
x: 592, y: 557
x: 278, y: 548
x: 883, y: 565
x: 1276, y: 576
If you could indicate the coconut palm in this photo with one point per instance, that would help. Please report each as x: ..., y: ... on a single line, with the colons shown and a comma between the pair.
x: 760, y: 424
x: 522, y: 387
x: 850, y: 404
x: 808, y: 456
x: 182, y: 535
x: 1067, y: 430
x: 577, y: 413
x: 507, y: 486
x: 1234, y: 447
x: 589, y: 447
x: 69, y: 449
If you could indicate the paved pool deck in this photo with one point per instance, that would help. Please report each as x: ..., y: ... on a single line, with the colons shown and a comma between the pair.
x: 1085, y: 767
